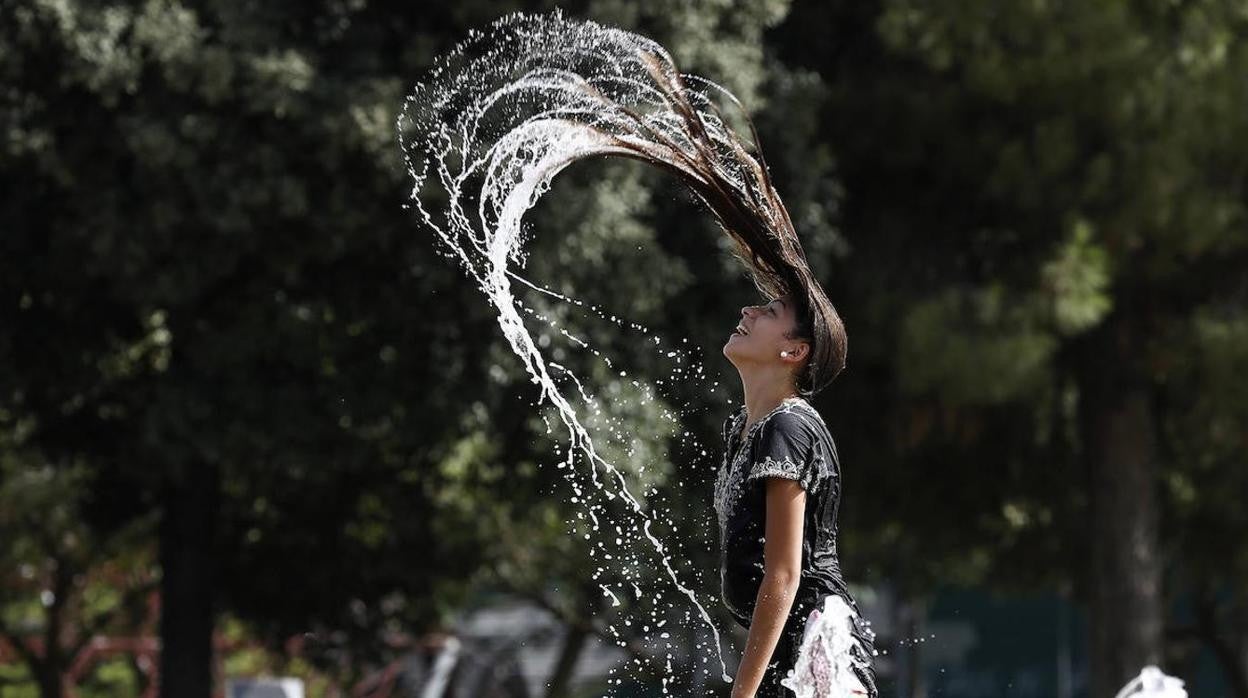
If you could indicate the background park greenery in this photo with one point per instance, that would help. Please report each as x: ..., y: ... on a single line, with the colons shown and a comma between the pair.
x: 233, y: 368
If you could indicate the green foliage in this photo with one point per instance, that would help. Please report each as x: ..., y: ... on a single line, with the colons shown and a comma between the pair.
x: 1077, y: 280
x: 68, y: 578
x: 206, y: 261
x: 950, y: 343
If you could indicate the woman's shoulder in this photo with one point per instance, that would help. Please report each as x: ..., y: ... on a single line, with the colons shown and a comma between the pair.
x: 795, y: 442
x: 800, y: 415
x: 799, y: 421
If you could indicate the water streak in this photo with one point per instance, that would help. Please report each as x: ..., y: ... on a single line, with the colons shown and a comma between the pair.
x: 500, y: 116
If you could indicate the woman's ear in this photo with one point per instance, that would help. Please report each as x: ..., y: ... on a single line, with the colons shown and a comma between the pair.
x: 800, y: 352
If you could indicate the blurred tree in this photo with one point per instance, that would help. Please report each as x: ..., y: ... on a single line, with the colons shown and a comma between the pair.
x: 214, y: 306
x: 213, y: 301
x: 1040, y: 199
x: 209, y: 285
x: 67, y: 579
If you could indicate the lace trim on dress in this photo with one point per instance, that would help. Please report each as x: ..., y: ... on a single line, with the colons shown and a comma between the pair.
x: 728, y: 488
x: 770, y: 467
x: 810, y: 480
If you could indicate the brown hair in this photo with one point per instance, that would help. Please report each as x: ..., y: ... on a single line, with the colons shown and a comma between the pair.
x: 827, y: 347
x: 714, y: 162
x: 621, y: 95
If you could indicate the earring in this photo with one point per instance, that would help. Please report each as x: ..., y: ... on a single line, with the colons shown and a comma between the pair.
x: 784, y: 353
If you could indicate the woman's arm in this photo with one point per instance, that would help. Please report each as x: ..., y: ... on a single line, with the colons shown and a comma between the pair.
x: 782, y: 560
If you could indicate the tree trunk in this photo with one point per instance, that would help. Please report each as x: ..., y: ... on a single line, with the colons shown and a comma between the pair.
x: 1225, y: 644
x: 50, y: 673
x: 910, y: 622
x: 573, y: 644
x: 579, y: 630
x: 1125, y: 585
x: 50, y: 684
x: 188, y: 586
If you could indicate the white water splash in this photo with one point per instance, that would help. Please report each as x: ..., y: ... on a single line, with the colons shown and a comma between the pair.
x: 825, y: 662
x: 1153, y: 683
x: 484, y: 136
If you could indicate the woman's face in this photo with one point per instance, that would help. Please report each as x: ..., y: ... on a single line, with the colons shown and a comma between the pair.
x: 763, y: 337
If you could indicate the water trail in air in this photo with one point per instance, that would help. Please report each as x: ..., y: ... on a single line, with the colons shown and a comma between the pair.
x: 488, y: 130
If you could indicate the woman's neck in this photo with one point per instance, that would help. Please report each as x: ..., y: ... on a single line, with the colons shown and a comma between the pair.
x: 763, y: 396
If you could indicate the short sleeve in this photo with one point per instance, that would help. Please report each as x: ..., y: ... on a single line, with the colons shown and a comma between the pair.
x: 784, y: 448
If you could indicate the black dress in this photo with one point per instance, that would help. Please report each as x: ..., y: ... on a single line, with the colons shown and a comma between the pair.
x: 791, y: 442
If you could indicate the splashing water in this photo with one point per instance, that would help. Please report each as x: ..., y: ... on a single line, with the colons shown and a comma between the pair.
x: 1153, y: 683
x: 825, y: 660
x: 484, y: 135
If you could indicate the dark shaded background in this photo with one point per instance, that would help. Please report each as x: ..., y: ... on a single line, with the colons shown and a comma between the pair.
x: 244, y: 402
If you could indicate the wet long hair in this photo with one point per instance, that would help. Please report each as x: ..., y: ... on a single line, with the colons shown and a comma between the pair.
x: 735, y: 184
x: 509, y: 108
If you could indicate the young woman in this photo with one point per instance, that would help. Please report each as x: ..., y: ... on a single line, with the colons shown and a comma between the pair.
x: 778, y: 491
x: 607, y: 93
